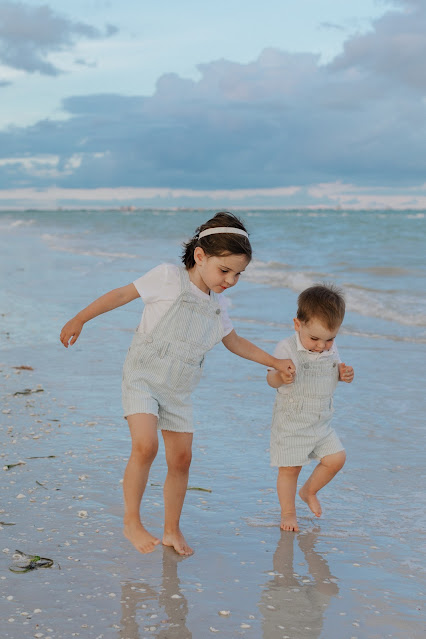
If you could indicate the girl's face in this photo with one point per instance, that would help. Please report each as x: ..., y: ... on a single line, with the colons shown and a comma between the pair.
x: 212, y: 273
x: 314, y: 336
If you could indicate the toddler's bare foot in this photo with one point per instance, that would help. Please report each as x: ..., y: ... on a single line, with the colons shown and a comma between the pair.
x: 140, y: 537
x: 177, y: 541
x: 289, y: 522
x: 311, y: 500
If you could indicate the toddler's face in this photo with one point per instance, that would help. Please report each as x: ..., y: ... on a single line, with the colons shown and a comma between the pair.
x: 314, y: 336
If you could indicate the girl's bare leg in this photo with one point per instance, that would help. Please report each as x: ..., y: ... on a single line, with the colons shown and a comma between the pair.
x: 178, y: 456
x: 324, y: 472
x: 143, y: 429
x: 286, y: 488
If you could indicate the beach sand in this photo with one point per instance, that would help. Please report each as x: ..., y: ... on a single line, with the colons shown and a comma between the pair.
x: 348, y: 575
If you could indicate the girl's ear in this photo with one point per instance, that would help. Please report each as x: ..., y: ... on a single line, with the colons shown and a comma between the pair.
x: 199, y: 255
x: 296, y: 324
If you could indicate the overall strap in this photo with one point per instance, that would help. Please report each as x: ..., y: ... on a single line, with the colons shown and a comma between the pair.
x: 214, y: 297
x: 184, y: 287
x: 293, y: 342
x: 184, y: 279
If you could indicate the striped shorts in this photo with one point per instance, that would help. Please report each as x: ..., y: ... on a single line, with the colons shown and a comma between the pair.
x: 156, y: 381
x: 301, y: 431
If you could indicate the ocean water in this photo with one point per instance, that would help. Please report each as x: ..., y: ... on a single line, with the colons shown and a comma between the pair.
x: 359, y: 570
x: 377, y: 257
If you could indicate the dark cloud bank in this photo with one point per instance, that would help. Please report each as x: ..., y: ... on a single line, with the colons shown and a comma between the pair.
x: 283, y: 119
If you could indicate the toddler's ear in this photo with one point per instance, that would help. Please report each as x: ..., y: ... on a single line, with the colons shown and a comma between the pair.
x: 296, y: 324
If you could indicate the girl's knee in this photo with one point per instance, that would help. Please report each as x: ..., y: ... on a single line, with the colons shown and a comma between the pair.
x: 145, y: 451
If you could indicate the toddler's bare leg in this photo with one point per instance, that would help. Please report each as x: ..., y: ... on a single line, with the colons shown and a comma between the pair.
x: 324, y: 472
x: 178, y: 456
x: 286, y: 488
x: 143, y: 429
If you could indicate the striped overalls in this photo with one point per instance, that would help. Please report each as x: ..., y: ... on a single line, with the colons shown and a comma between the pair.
x: 301, y: 428
x: 163, y: 367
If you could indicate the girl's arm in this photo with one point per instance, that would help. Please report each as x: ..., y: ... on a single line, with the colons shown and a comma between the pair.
x: 242, y: 347
x: 107, y: 302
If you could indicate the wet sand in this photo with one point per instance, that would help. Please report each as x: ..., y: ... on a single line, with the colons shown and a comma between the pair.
x: 348, y: 575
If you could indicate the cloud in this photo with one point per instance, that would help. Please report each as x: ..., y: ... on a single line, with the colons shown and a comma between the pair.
x: 28, y: 35
x: 393, y: 52
x: 282, y: 120
x: 331, y: 26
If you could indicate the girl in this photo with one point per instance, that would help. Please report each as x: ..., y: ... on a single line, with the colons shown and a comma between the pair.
x: 183, y: 318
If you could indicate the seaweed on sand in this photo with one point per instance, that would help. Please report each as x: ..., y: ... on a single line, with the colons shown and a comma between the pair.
x: 26, y: 562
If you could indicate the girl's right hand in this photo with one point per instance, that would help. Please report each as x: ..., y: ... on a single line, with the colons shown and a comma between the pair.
x: 71, y: 331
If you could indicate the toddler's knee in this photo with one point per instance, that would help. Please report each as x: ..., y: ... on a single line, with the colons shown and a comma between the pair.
x: 335, y: 462
x: 341, y: 460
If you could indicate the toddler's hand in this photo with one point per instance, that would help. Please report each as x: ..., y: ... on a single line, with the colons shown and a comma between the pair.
x: 71, y: 330
x: 287, y: 370
x: 346, y: 373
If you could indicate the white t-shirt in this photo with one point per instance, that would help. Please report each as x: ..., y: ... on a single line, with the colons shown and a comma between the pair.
x: 160, y: 287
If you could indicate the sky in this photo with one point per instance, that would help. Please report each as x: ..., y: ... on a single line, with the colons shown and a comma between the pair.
x: 232, y: 104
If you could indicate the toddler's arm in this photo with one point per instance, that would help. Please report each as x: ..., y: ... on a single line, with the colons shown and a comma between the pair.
x: 346, y: 373
x: 277, y: 378
x: 107, y: 302
x: 242, y: 347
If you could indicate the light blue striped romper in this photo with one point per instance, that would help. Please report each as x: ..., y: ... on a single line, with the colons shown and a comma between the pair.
x: 301, y: 428
x: 163, y: 367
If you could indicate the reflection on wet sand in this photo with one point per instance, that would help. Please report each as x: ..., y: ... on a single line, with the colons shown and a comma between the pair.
x: 158, y: 613
x: 293, y: 605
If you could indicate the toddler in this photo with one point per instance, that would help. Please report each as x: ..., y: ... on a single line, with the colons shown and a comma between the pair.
x: 303, y: 408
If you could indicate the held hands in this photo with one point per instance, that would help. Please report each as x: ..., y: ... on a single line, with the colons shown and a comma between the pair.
x: 286, y: 369
x: 71, y: 331
x: 346, y: 373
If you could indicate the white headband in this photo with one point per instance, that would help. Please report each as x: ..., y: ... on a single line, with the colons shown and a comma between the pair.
x: 222, y: 229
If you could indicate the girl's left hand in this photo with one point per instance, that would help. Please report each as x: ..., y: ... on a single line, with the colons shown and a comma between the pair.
x: 346, y: 373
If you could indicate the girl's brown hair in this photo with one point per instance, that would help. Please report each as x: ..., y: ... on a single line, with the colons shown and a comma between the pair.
x: 323, y: 302
x: 218, y: 244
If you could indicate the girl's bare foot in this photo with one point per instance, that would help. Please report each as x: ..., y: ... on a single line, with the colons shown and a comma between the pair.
x: 289, y: 522
x: 177, y: 541
x: 311, y: 500
x: 140, y: 537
